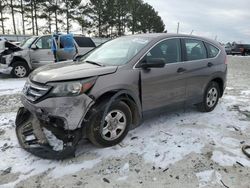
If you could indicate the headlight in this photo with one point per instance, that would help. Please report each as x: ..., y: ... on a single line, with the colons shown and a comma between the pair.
x: 71, y: 88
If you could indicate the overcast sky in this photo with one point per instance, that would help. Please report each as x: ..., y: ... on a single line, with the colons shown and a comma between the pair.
x: 229, y: 20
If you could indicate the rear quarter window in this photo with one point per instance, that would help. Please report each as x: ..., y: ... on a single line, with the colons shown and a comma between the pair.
x: 84, y: 42
x: 212, y: 51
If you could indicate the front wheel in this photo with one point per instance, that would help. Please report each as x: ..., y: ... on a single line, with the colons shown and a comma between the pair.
x: 20, y: 69
x: 210, y: 98
x: 115, y: 127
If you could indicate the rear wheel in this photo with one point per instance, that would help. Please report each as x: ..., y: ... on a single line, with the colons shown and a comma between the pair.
x: 210, y: 98
x: 20, y: 69
x: 115, y: 126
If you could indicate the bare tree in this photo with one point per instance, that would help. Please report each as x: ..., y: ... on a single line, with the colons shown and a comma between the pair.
x: 3, y: 7
x: 13, y: 15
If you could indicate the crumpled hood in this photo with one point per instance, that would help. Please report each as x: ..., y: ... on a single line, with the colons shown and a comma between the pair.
x: 11, y: 48
x: 69, y: 71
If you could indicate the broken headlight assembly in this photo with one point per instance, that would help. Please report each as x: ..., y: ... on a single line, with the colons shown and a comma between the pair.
x: 71, y: 88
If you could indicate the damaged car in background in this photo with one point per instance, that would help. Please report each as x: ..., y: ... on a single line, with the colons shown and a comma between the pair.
x: 111, y: 90
x: 36, y: 51
x: 7, y: 49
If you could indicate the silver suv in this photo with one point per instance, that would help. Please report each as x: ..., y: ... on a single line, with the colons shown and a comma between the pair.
x: 111, y: 89
x: 36, y: 51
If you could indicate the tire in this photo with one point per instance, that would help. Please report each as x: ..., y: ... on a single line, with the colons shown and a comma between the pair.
x: 20, y: 69
x: 210, y: 98
x: 246, y: 53
x: 106, y: 136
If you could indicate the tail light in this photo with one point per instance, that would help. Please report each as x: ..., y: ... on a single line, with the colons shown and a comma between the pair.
x: 226, y: 60
x: 242, y: 49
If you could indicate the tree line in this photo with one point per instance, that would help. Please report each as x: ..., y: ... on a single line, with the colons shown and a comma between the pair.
x: 103, y: 18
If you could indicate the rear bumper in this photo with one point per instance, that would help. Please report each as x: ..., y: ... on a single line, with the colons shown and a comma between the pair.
x: 67, y: 112
x: 5, y: 69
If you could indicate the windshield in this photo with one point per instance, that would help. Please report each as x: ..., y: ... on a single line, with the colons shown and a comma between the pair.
x: 26, y: 43
x: 118, y: 51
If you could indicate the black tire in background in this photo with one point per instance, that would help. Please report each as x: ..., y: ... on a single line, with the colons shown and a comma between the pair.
x: 246, y: 53
x: 20, y: 69
x: 210, y: 98
x: 94, y: 132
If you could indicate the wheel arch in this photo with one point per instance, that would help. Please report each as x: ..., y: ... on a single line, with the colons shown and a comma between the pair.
x: 20, y: 59
x: 127, y: 97
x: 220, y: 82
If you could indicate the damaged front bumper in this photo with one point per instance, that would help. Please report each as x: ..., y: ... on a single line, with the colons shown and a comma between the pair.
x: 5, y: 69
x: 31, y: 136
x: 61, y: 117
x: 66, y: 112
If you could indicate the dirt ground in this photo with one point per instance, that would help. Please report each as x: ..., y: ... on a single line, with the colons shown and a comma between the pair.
x: 184, y: 148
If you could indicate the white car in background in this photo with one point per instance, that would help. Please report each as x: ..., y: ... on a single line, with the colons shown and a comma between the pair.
x: 36, y: 51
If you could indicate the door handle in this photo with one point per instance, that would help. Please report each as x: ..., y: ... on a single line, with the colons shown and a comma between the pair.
x: 180, y: 70
x: 210, y: 64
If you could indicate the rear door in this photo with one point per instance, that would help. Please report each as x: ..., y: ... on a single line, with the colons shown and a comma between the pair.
x: 164, y: 86
x: 200, y: 62
x: 43, y: 54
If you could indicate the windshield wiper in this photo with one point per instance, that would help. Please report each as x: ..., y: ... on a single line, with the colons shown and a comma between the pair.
x: 94, y: 63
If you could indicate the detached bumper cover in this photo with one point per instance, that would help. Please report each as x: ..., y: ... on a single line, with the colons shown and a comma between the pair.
x: 31, y: 137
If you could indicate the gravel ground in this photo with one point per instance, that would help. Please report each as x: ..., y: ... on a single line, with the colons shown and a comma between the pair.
x: 179, y: 149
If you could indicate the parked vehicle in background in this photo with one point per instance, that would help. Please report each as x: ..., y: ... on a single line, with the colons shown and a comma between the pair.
x: 98, y: 40
x: 3, y: 39
x: 109, y: 91
x: 240, y: 49
x: 228, y: 49
x: 36, y: 51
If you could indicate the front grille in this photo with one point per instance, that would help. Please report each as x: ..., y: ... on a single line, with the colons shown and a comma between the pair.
x: 33, y: 92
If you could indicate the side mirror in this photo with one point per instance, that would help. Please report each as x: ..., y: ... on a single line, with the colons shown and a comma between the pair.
x: 153, y: 63
x: 34, y: 47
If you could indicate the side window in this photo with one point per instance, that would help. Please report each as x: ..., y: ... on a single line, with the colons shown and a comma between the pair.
x: 169, y: 50
x: 195, y: 49
x: 84, y: 42
x: 44, y: 42
x: 212, y: 50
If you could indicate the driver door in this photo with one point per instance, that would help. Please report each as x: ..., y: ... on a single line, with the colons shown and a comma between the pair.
x: 164, y: 86
x: 42, y: 55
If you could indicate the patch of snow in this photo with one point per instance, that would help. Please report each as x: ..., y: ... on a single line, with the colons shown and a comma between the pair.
x: 244, y: 108
x: 123, y: 178
x: 124, y: 170
x: 11, y: 86
x: 229, y: 159
x: 64, y: 169
x: 208, y: 178
x: 246, y: 92
x: 53, y: 141
x: 230, y: 142
x: 229, y: 88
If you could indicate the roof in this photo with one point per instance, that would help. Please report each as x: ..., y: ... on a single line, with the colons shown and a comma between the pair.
x: 159, y: 36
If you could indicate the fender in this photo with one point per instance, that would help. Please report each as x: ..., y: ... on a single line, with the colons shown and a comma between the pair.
x: 110, y: 97
x: 113, y: 98
x: 22, y: 56
x: 18, y: 58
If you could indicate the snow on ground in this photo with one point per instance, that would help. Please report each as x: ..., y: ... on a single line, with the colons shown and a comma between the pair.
x: 11, y: 86
x: 184, y: 146
x: 209, y: 177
